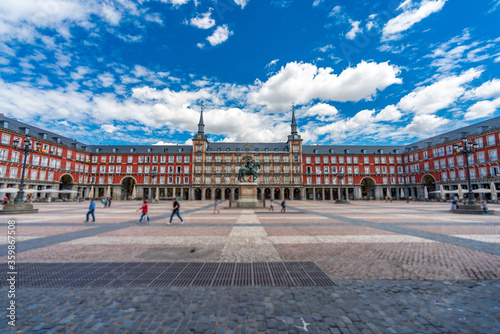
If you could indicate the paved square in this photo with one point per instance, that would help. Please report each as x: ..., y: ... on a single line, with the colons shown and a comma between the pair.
x: 396, y: 267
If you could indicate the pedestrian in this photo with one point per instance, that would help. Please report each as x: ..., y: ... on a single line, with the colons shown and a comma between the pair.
x: 109, y: 202
x: 5, y: 200
x: 103, y: 202
x: 91, y: 210
x: 144, y: 209
x: 175, y: 211
x: 283, y: 206
x: 216, y: 208
x: 271, y: 207
x: 484, y: 206
x: 453, y: 205
x: 390, y: 199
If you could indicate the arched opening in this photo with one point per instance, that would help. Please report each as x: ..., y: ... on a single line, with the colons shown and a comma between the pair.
x: 267, y: 193
x: 286, y: 193
x: 208, y: 194
x: 128, y: 185
x: 227, y: 194
x: 218, y: 194
x: 368, y: 188
x: 65, y: 184
x: 236, y: 193
x: 197, y: 194
x: 296, y: 194
x: 259, y: 193
x: 277, y: 193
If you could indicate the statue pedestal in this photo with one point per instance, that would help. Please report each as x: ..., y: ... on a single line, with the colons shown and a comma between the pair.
x: 248, y: 195
x: 16, y: 209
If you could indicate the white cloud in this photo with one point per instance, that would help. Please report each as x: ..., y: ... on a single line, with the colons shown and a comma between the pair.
x: 487, y: 90
x: 390, y: 113
x: 109, y: 128
x: 203, y: 22
x: 482, y: 109
x: 425, y: 124
x: 439, y: 95
x: 106, y: 79
x: 409, y: 17
x: 241, y: 3
x: 317, y: 3
x: 355, y: 29
x: 303, y: 82
x: 321, y: 110
x: 220, y: 35
x: 272, y: 63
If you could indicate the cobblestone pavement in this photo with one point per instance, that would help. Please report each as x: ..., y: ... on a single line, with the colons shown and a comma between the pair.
x: 397, y: 268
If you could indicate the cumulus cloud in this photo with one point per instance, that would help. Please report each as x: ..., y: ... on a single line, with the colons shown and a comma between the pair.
x: 410, y: 15
x: 321, y: 110
x: 109, y: 128
x: 425, y: 124
x: 487, y: 90
x: 439, y: 95
x: 482, y: 109
x: 203, y: 21
x: 354, y: 30
x: 220, y: 35
x: 303, y: 82
x: 241, y: 3
x: 390, y: 113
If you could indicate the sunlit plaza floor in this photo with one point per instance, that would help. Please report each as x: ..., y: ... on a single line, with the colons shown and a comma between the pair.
x: 393, y: 268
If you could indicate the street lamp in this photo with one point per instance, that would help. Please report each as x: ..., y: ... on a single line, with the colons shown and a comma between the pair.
x: 341, y: 177
x: 25, y: 150
x: 466, y: 149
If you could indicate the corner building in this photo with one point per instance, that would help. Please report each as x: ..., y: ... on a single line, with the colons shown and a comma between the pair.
x: 208, y: 171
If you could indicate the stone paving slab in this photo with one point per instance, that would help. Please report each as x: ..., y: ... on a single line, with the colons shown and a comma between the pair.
x: 351, y: 306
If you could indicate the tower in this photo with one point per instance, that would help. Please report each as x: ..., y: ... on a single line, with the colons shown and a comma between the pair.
x: 295, y: 148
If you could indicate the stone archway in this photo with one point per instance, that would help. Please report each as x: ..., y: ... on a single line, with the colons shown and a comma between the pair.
x: 197, y: 194
x: 368, y: 187
x: 296, y: 194
x: 65, y: 183
x: 128, y: 184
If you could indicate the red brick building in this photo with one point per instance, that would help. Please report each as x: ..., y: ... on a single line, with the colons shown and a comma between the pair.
x: 288, y: 170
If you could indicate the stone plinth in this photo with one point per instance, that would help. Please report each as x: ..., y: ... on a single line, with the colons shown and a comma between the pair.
x: 342, y: 201
x: 471, y: 209
x: 15, y: 209
x: 247, y: 195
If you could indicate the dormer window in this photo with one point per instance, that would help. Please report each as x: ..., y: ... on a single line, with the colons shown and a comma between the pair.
x: 363, y: 151
x: 257, y: 150
x: 180, y: 150
x: 218, y: 149
x: 315, y: 151
x: 346, y: 151
x: 237, y: 149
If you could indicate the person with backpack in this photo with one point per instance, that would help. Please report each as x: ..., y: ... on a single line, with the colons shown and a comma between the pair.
x: 283, y: 206
x: 175, y: 211
x: 144, y: 209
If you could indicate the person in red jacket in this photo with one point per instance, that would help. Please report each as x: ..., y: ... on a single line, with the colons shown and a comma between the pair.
x: 144, y: 209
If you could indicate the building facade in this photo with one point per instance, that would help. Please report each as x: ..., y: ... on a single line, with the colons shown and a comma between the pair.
x: 289, y: 170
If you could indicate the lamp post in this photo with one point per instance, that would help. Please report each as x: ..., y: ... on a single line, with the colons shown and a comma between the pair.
x: 467, y: 148
x: 26, y: 149
x: 341, y: 177
x: 154, y: 175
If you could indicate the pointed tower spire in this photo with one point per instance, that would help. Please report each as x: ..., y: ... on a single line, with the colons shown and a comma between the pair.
x: 294, y: 123
x: 201, y: 125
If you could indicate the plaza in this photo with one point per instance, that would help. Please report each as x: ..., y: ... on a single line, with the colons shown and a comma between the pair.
x: 366, y: 267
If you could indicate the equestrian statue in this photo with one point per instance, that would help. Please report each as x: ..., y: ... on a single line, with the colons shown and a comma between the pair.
x: 250, y: 168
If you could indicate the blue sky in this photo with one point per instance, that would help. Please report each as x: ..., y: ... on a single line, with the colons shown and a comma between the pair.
x: 358, y: 72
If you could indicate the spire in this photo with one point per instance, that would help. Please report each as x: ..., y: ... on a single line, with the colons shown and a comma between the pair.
x: 294, y: 123
x: 294, y: 134
x: 201, y: 125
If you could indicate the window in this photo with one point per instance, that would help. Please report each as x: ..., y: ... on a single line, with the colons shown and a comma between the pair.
x: 382, y: 160
x: 325, y: 160
x: 5, y: 139
x: 14, y: 157
x: 326, y: 169
x: 377, y: 169
x: 425, y: 155
x: 426, y: 166
x: 69, y: 154
x: 479, y: 142
x: 453, y: 175
x: 334, y: 160
x: 42, y: 175
x: 119, y: 159
x: 493, y: 155
x: 94, y: 169
x: 367, y: 170
x: 94, y: 159
x: 110, y: 179
x: 4, y: 154
x: 366, y: 160
x: 451, y: 161
x: 111, y: 169
x: 377, y: 160
x: 141, y: 159
x: 341, y: 160
x: 140, y: 169
x: 171, y: 159
x: 186, y: 169
x: 483, y: 172
x: 356, y: 170
x: 472, y: 173
x: 129, y: 169
x: 112, y: 159
x: 461, y: 174
x: 308, y: 179
x: 490, y: 140
x: 13, y: 172
x: 68, y: 165
x: 130, y: 159
x: 163, y: 159
x: 118, y: 169
x: 308, y: 160
x: 449, y: 149
x: 443, y: 163
x: 480, y: 157
x: 186, y: 158
x: 50, y: 176
x: 349, y: 160
x: 317, y: 160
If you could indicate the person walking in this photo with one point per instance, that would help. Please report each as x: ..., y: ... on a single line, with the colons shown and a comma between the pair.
x: 484, y: 206
x: 144, y: 209
x: 283, y: 206
x: 175, y: 211
x: 91, y: 210
x: 271, y: 207
x: 109, y: 202
x: 216, y: 208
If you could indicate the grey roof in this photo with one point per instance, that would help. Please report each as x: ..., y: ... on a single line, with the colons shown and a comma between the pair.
x: 490, y: 124
x: 352, y: 149
x: 148, y: 149
x: 280, y: 147
x: 36, y: 132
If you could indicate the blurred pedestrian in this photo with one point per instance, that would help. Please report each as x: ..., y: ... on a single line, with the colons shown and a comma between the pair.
x: 144, y: 209
x: 91, y: 210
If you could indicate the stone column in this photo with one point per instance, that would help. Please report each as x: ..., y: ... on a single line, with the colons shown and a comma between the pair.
x: 314, y: 194
x: 323, y: 194
x: 203, y: 193
x: 339, y: 195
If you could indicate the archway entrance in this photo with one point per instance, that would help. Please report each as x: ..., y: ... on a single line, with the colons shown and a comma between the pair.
x: 296, y: 194
x: 128, y: 184
x: 197, y: 194
x: 368, y: 188
x: 66, y: 183
x: 227, y: 194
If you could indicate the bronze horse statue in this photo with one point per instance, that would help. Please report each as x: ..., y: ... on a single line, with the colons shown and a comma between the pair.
x: 249, y: 169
